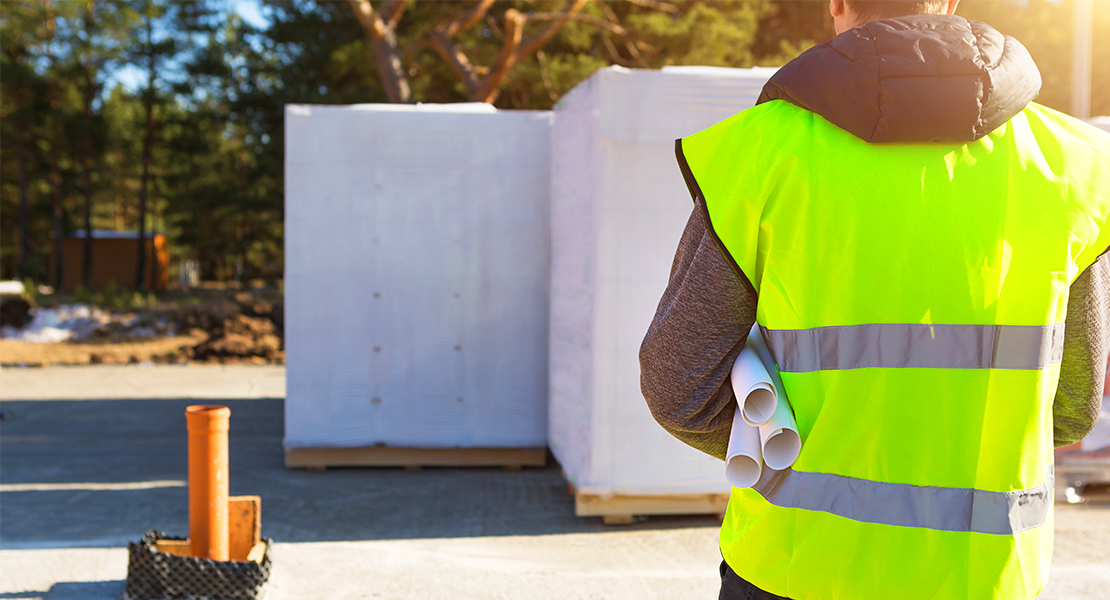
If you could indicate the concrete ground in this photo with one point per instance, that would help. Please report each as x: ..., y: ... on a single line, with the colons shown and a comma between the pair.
x: 92, y: 457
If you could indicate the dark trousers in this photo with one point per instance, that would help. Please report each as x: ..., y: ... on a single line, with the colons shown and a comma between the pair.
x: 733, y: 587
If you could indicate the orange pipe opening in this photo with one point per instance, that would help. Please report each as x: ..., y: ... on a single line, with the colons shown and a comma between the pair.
x: 208, y: 478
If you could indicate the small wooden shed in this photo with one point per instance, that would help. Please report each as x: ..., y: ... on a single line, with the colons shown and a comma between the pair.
x: 114, y: 258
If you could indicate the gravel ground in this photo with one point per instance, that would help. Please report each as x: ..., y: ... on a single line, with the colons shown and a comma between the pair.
x: 92, y: 457
x: 16, y: 352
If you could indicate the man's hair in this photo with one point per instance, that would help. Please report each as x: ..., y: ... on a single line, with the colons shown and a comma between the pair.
x: 873, y: 10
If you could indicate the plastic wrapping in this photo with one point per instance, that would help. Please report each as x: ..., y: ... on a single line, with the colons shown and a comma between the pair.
x: 619, y: 206
x: 417, y: 276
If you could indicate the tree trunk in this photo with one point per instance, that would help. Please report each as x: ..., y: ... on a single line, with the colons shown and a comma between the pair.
x: 383, y: 38
x: 21, y: 265
x: 391, y: 71
x: 148, y: 150
x: 242, y: 239
x: 514, y: 45
x: 55, y: 170
x: 59, y: 212
x: 86, y: 258
x: 140, y: 268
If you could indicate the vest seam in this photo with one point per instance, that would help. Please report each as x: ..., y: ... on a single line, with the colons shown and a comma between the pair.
x: 696, y: 194
x: 1093, y: 262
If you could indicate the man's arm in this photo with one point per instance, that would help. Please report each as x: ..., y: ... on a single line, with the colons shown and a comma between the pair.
x: 1086, y: 344
x: 699, y: 329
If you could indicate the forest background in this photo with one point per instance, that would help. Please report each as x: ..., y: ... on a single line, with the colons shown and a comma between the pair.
x: 168, y: 116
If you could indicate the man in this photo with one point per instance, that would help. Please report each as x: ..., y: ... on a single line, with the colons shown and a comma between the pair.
x: 919, y: 236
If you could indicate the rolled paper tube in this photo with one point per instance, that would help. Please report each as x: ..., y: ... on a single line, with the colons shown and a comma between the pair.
x: 779, y: 439
x: 754, y: 388
x: 744, y: 460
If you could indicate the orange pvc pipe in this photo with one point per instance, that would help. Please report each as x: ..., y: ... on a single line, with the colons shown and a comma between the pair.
x: 208, y: 477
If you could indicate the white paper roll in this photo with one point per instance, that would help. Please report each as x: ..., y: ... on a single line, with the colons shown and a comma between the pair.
x: 744, y: 459
x: 778, y: 437
x: 754, y: 388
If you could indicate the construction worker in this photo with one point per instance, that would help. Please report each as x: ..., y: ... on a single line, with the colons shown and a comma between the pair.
x: 925, y: 251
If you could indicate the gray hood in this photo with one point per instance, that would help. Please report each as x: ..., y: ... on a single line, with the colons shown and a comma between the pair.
x: 921, y: 78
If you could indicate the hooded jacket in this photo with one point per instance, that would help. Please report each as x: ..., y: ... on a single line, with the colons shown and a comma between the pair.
x: 921, y: 78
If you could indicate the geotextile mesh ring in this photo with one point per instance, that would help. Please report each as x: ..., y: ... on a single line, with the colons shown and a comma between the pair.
x: 154, y: 575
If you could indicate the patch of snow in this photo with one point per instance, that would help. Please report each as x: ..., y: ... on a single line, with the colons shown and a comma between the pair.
x: 77, y: 322
x: 11, y: 287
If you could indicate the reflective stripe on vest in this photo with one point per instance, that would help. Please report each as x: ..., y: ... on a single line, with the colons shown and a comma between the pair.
x: 912, y: 345
x: 905, y: 505
x: 916, y: 346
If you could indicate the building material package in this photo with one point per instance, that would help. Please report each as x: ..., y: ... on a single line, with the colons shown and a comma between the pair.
x: 619, y: 206
x: 417, y: 279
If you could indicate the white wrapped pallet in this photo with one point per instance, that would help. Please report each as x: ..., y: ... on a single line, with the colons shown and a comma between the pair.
x: 619, y: 205
x: 417, y: 256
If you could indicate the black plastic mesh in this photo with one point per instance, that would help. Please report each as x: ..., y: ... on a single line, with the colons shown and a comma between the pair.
x: 154, y: 575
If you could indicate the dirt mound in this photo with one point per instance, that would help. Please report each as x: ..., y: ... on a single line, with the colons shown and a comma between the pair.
x: 208, y: 316
x: 15, y: 312
x: 128, y: 327
x: 239, y: 328
x: 244, y: 327
x: 212, y: 315
x: 238, y: 338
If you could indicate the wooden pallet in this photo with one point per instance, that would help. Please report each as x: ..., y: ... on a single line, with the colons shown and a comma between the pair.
x: 1083, y: 482
x: 622, y: 510
x: 414, y: 458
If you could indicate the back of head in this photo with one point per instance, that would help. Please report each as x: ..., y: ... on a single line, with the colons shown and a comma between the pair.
x: 873, y: 10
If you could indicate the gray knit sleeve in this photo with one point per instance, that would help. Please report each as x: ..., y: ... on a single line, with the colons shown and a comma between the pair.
x: 698, y: 331
x: 1086, y: 344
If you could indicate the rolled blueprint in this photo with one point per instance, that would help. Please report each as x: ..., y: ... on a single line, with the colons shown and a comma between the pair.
x: 778, y: 437
x: 754, y: 388
x: 744, y: 459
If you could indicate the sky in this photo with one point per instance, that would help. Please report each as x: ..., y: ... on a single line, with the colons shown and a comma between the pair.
x: 132, y: 78
x: 250, y: 11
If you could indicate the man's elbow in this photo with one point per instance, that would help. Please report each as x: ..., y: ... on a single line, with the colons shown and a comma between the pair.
x: 665, y: 411
x: 1071, y: 426
x: 680, y: 401
x: 1066, y: 436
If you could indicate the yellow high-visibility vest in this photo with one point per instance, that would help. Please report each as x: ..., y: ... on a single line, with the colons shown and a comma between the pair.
x: 913, y: 296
